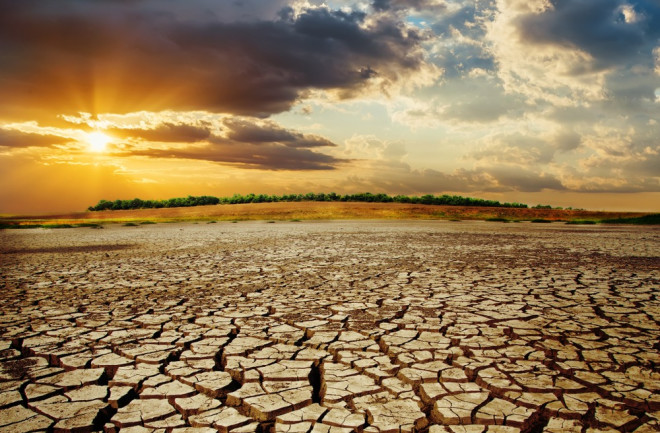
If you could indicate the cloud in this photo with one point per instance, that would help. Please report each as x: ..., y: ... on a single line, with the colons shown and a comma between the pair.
x: 372, y: 148
x: 479, y: 99
x: 266, y: 156
x: 578, y: 52
x: 244, y: 142
x: 611, y: 32
x: 241, y: 141
x: 400, y: 178
x: 525, y: 180
x: 510, y: 163
x: 470, y: 90
x: 389, y: 171
x: 255, y: 131
x: 408, y: 5
x: 14, y: 139
x: 465, y: 17
x: 535, y: 95
x: 515, y: 148
x: 115, y: 56
x: 567, y: 140
x: 610, y: 182
x: 165, y: 132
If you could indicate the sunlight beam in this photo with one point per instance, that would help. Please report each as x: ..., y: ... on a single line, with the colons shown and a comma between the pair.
x: 98, y: 141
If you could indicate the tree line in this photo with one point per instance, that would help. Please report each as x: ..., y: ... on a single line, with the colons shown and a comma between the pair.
x: 429, y: 199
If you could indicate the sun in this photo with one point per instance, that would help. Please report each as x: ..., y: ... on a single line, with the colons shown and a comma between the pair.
x: 98, y: 141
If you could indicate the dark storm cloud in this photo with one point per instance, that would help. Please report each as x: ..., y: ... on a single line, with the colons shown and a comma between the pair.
x: 14, y: 138
x: 165, y: 132
x: 597, y: 27
x: 245, y: 142
x: 420, y: 5
x: 236, y: 129
x: 245, y: 155
x: 121, y: 56
x: 268, y: 132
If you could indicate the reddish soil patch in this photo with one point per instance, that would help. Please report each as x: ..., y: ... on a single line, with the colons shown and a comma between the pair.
x: 336, y: 210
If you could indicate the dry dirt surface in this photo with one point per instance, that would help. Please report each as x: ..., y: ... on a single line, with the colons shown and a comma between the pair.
x: 330, y: 327
x: 313, y: 210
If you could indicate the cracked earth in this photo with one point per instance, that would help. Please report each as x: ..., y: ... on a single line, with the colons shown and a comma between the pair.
x: 330, y: 327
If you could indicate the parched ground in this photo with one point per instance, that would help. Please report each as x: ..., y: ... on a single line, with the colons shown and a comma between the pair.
x: 330, y: 327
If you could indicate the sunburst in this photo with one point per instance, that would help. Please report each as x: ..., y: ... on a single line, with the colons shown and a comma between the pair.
x: 98, y: 141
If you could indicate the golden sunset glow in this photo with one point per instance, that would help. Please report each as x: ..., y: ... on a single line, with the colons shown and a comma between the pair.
x: 98, y: 141
x: 509, y: 100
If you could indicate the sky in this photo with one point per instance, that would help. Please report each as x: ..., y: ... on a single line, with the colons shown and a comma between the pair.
x: 535, y: 101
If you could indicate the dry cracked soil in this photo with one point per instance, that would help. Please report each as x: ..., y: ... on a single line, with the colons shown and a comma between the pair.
x: 330, y: 327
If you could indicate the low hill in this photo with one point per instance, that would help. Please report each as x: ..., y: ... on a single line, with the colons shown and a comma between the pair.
x: 324, y: 210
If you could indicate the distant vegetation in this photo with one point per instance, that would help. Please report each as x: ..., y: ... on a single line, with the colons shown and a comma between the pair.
x: 14, y: 225
x: 451, y: 200
x: 653, y: 219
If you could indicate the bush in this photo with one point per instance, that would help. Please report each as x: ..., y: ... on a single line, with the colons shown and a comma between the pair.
x: 19, y: 226
x: 652, y: 219
x: 205, y: 200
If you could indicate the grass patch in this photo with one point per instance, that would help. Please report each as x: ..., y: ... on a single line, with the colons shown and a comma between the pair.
x: 90, y: 225
x: 147, y: 222
x: 19, y: 226
x: 653, y: 219
x: 211, y: 222
x: 581, y: 222
x: 65, y: 226
x: 498, y: 219
x: 270, y: 222
x: 49, y: 226
x: 541, y: 221
x: 295, y: 220
x: 129, y: 224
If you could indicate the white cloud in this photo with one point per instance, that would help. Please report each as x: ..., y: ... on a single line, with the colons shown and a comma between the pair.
x: 552, y: 73
x: 629, y: 14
